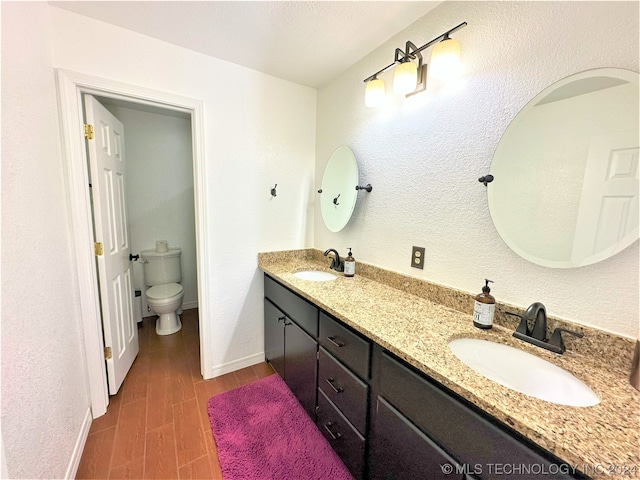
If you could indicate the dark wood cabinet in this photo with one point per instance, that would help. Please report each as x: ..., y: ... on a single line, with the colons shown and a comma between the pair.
x: 345, y: 439
x: 400, y: 451
x: 274, y: 336
x: 300, y: 365
x: 481, y: 446
x: 349, y: 347
x: 289, y: 343
x: 347, y: 392
x: 385, y: 419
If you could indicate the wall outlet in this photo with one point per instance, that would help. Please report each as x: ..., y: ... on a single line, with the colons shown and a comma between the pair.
x: 417, y: 257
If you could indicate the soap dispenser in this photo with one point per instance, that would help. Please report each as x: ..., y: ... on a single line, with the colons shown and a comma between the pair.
x: 484, y: 307
x: 349, y: 265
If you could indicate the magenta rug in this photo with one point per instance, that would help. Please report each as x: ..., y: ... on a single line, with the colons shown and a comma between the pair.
x: 263, y: 433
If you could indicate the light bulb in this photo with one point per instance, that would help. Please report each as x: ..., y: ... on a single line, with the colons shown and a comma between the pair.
x: 405, y: 79
x: 374, y: 94
x: 445, y: 60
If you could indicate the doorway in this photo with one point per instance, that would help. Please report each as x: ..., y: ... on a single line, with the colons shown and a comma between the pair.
x: 157, y: 202
x: 71, y: 87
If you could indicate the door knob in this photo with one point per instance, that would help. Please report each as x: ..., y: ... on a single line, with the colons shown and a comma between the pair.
x: 133, y: 257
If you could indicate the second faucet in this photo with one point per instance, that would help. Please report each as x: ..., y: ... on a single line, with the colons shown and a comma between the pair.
x: 336, y: 263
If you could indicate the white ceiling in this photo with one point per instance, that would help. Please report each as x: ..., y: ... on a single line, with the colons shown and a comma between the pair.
x: 306, y: 42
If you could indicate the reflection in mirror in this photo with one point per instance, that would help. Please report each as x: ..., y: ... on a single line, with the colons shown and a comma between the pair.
x: 339, y: 194
x: 565, y: 192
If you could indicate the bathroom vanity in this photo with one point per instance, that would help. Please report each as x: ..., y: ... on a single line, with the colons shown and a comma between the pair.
x: 370, y: 364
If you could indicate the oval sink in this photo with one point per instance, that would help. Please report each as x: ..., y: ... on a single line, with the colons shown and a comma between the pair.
x: 523, y: 372
x: 315, y: 276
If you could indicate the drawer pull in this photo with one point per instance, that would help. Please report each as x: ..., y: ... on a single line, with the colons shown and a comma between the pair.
x: 335, y: 342
x: 281, y: 319
x: 334, y: 436
x: 330, y: 381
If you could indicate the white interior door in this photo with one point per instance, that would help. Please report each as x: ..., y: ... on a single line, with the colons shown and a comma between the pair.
x: 608, y: 215
x: 107, y: 167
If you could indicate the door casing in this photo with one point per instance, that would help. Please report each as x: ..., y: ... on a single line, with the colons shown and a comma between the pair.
x: 71, y: 85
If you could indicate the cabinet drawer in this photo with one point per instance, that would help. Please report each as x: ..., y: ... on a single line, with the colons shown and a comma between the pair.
x: 399, y: 450
x: 466, y: 435
x: 302, y: 312
x: 344, y: 389
x: 345, y: 440
x: 345, y: 345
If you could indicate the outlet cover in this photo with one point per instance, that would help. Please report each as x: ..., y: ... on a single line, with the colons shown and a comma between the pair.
x: 417, y: 257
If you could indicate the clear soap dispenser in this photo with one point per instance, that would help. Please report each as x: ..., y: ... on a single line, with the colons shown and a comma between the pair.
x: 484, y: 307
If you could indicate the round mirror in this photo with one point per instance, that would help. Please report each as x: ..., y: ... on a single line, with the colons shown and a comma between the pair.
x: 339, y: 194
x: 565, y: 189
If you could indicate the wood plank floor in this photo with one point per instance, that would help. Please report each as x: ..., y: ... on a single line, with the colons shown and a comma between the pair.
x: 157, y: 425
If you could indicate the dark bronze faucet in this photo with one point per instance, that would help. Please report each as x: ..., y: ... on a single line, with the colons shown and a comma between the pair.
x: 537, y: 334
x: 336, y: 263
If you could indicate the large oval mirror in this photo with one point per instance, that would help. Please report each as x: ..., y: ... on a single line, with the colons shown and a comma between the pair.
x: 565, y: 188
x: 339, y: 194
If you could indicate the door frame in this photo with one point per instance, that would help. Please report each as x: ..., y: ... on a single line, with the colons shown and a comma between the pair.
x: 71, y: 86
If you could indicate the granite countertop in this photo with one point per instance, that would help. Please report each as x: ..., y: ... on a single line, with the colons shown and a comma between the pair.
x: 597, y: 440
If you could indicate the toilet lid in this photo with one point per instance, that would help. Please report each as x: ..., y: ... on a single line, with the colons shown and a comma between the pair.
x: 159, y: 292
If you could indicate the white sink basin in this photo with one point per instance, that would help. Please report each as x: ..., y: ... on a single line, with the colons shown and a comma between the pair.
x: 315, y: 276
x: 523, y: 372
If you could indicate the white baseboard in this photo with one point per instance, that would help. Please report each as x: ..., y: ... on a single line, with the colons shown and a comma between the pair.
x: 217, y: 370
x: 74, y: 463
x: 189, y: 305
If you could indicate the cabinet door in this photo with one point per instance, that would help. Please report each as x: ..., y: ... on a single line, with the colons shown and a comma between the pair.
x: 474, y: 438
x: 400, y: 451
x: 274, y: 337
x: 300, y: 365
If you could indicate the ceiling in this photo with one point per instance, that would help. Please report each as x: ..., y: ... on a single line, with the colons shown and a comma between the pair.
x: 306, y: 42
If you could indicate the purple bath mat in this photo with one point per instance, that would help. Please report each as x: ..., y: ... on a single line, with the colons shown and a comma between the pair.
x: 263, y: 433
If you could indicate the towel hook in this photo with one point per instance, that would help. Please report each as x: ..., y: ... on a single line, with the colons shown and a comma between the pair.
x: 486, y: 179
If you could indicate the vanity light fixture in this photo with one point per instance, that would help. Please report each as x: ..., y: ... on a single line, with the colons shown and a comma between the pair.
x: 374, y: 93
x: 410, y: 75
x: 405, y: 78
x: 445, y: 59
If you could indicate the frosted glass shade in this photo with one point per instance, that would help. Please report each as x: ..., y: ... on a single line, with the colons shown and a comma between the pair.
x: 375, y: 93
x: 405, y: 79
x: 445, y: 59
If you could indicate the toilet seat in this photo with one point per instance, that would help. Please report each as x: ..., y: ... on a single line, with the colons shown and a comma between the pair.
x: 164, y: 293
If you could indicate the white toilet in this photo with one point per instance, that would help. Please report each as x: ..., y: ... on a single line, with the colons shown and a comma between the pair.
x: 162, y: 272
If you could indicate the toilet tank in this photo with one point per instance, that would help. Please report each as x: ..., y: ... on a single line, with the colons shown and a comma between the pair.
x: 161, y: 268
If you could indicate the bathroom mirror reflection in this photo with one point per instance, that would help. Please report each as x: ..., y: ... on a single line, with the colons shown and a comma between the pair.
x: 565, y: 192
x: 339, y: 194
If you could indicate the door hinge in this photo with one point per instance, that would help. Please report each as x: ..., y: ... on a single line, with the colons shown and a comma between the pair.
x: 107, y: 353
x: 88, y: 131
x: 97, y: 247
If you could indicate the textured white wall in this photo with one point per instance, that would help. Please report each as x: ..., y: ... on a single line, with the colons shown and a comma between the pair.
x: 160, y: 190
x: 423, y: 155
x: 259, y: 131
x: 44, y: 389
